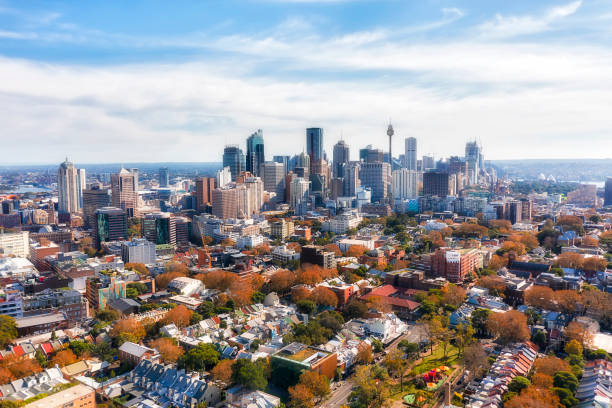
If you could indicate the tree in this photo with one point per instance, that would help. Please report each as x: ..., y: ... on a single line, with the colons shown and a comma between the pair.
x: 356, y: 251
x: 316, y: 383
x: 565, y: 379
x: 179, y: 315
x: 300, y: 397
x: 6, y: 376
x: 355, y: 309
x: 549, y: 365
x: 573, y: 347
x: 377, y: 345
x: 128, y: 330
x: 542, y: 381
x: 220, y: 280
x: 497, y: 262
x: 8, y: 330
x: 605, y: 240
x: 479, y: 320
x: 79, y: 348
x: 476, y: 360
x: 411, y: 349
x: 539, y: 338
x: 222, y: 372
x: 541, y: 297
x: 20, y: 367
x: 202, y: 357
x: 566, y: 397
x: 496, y: 285
x: 364, y: 353
x: 453, y: 295
x: 532, y: 397
x: 300, y: 293
x: 508, y: 327
x: 333, y: 248
x: 107, y: 315
x: 250, y: 374
x: 567, y: 300
x: 308, y: 275
x: 168, y: 349
x: 140, y: 268
x: 324, y: 296
x: 257, y: 297
x: 464, y: 335
x: 396, y: 365
x: 282, y: 281
x: 595, y: 264
x: 518, y: 384
x: 578, y: 331
x: 63, y: 358
x: 306, y: 306
x: 162, y: 280
x: 570, y: 260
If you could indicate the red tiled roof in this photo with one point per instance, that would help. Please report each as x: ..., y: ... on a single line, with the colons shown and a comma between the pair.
x: 47, y: 348
x: 18, y: 350
x: 394, y: 296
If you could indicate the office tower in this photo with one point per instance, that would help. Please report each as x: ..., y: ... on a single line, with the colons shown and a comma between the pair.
x: 255, y: 156
x: 159, y: 228
x: 182, y: 225
x: 68, y: 188
x: 110, y: 225
x: 351, y: 182
x: 164, y: 177
x: 138, y: 250
x: 223, y: 177
x: 457, y: 165
x: 526, y: 209
x: 341, y: 158
x: 303, y: 162
x: 234, y: 159
x: 224, y: 202
x: 93, y: 199
x: 124, y: 188
x: 428, y: 163
x: 288, y: 181
x: 274, y: 178
x: 204, y: 189
x: 405, y: 184
x: 299, y: 195
x: 314, y: 143
x: 608, y: 191
x: 285, y: 160
x: 472, y: 157
x: 335, y: 188
x: 376, y: 176
x: 390, y: 133
x: 81, y: 185
x: 255, y: 195
x: 410, y: 154
x: 438, y: 184
x: 371, y: 155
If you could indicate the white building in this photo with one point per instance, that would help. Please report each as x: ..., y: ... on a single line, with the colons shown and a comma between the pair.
x: 405, y: 184
x: 11, y: 303
x: 185, y: 286
x: 299, y: 194
x: 283, y: 254
x: 364, y: 196
x: 342, y: 223
x: 15, y: 243
x: 138, y: 250
x: 18, y: 268
x: 223, y: 177
x: 410, y: 153
x: 68, y: 188
x: 249, y: 241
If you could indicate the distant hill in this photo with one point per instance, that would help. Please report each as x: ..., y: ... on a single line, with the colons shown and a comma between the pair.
x: 591, y: 170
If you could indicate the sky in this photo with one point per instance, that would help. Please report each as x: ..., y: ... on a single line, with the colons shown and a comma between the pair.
x: 172, y: 81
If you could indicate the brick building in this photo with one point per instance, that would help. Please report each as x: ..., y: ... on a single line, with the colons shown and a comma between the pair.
x: 454, y: 265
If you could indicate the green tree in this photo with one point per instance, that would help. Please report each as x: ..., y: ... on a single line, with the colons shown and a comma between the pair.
x: 540, y: 339
x: 518, y: 384
x: 207, y: 309
x: 377, y: 346
x: 80, y: 347
x: 566, y: 397
x: 250, y: 374
x: 257, y: 297
x: 306, y: 306
x: 195, y: 318
x: 202, y: 357
x: 565, y: 379
x: 8, y: 330
x: 479, y: 321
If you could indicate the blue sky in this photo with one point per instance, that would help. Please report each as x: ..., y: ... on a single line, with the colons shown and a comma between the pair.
x: 112, y: 81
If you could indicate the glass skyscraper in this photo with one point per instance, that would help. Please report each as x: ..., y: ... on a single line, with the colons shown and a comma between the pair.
x: 255, y: 156
x: 233, y: 157
x: 314, y: 143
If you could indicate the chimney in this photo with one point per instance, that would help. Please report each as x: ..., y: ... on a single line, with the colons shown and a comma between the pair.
x: 447, y: 394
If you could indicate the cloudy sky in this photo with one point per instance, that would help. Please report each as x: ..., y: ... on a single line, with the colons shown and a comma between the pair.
x: 147, y: 80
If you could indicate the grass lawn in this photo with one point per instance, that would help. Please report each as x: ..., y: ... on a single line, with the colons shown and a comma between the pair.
x: 436, y: 360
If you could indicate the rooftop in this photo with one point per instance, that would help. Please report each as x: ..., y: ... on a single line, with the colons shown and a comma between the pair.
x: 62, y: 397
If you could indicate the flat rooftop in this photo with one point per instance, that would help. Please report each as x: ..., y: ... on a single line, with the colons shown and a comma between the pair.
x: 63, y: 397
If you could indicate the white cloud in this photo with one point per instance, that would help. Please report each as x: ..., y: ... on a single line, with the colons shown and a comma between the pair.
x: 510, y: 26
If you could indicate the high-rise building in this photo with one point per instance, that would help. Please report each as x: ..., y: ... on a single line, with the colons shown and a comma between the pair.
x: 110, y: 225
x: 410, y: 153
x: 233, y: 157
x: 284, y: 160
x: 81, y: 185
x: 159, y: 228
x: 164, y: 177
x: 405, y: 184
x: 274, y: 178
x: 473, y: 159
x: 299, y: 195
x: 428, y: 163
x: 351, y: 182
x: 255, y: 156
x: 440, y: 184
x: 94, y: 198
x: 255, y: 195
x: 68, y: 188
x: 371, y: 155
x: 341, y: 158
x: 124, y: 188
x: 377, y: 177
x: 224, y: 202
x: 138, y: 250
x: 15, y: 243
x: 303, y: 162
x: 314, y: 143
x: 608, y: 192
x: 204, y: 189
x: 223, y: 177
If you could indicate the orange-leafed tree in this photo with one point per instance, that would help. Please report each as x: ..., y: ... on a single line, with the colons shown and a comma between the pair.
x: 162, y: 280
x: 549, y: 365
x: 579, y: 332
x: 20, y: 367
x: 282, y: 281
x: 324, y: 296
x: 453, y: 295
x: 502, y: 225
x: 497, y: 262
x: 263, y: 249
x: 333, y: 248
x: 590, y: 241
x: 532, y: 397
x: 257, y: 281
x: 294, y: 246
x: 567, y: 300
x: 168, y: 349
x: 63, y: 358
x: 542, y: 380
x: 570, y: 260
x: 300, y: 293
x: 513, y: 247
x: 309, y: 275
x: 178, y: 315
x: 541, y: 297
x: 138, y: 267
x: 241, y: 292
x: 5, y: 375
x: 594, y: 263
x: 220, y: 280
x: 128, y: 330
x: 364, y: 353
x: 356, y: 250
x: 300, y: 397
x: 222, y: 372
x: 508, y: 327
x: 317, y: 383
x: 495, y: 284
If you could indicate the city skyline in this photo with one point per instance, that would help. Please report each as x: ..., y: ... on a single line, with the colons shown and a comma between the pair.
x: 511, y: 75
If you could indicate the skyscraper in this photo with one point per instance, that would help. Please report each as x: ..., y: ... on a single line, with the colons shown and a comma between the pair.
x: 371, y: 155
x: 351, y: 182
x: 223, y: 177
x: 93, y: 199
x: 164, y: 177
x: 68, y: 188
x: 314, y: 143
x: 608, y: 192
x: 204, y: 189
x: 405, y: 184
x: 255, y: 156
x: 410, y: 153
x: 81, y: 184
x: 274, y: 178
x: 376, y: 176
x: 233, y: 157
x: 472, y: 156
x: 159, y: 228
x: 284, y: 160
x: 440, y: 184
x: 110, y: 225
x: 428, y: 163
x: 124, y: 188
x: 299, y: 195
x: 341, y: 158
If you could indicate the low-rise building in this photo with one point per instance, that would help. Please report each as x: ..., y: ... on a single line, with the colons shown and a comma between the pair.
x: 284, y: 254
x: 185, y: 286
x: 78, y: 396
x: 294, y: 359
x: 134, y: 353
x: 317, y: 255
